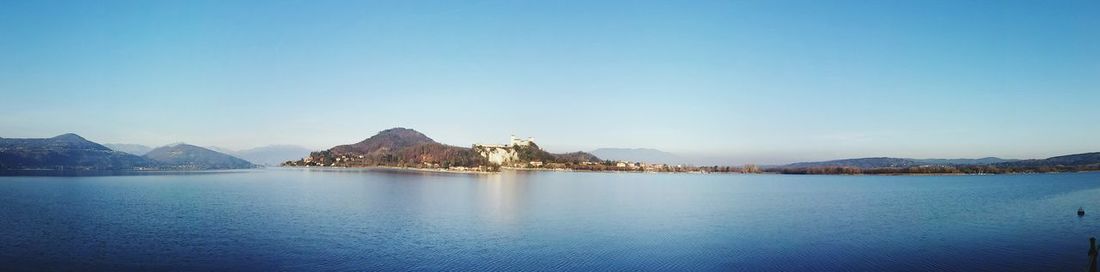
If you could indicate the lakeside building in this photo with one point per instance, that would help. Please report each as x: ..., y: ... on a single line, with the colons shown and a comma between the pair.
x: 502, y: 154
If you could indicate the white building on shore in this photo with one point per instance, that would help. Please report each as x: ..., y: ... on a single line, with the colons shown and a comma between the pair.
x: 502, y: 154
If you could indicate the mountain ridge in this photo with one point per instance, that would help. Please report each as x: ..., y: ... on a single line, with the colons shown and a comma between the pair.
x: 135, y: 149
x: 648, y: 155
x: 273, y: 154
x: 990, y: 165
x: 71, y: 152
x: 891, y: 162
x: 1079, y: 159
x: 65, y: 151
x: 186, y: 156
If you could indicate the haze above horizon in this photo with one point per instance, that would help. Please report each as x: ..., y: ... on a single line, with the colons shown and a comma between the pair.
x: 752, y: 81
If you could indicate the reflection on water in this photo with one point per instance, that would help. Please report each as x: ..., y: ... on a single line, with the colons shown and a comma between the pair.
x: 500, y: 196
x: 354, y: 219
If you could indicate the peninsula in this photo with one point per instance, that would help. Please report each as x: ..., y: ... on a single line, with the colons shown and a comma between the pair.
x: 408, y: 148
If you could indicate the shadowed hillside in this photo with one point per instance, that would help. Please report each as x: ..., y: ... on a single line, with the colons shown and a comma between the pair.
x: 65, y: 152
x: 1067, y: 163
x: 394, y: 147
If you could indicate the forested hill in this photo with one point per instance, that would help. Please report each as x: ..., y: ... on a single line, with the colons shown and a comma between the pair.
x: 405, y: 147
x: 1083, y: 161
x: 70, y: 152
x: 65, y: 152
x: 884, y: 165
x: 886, y: 162
x: 188, y: 157
x: 390, y: 140
x: 880, y: 162
x: 394, y: 147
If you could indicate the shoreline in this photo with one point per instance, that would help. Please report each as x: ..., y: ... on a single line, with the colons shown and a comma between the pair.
x: 393, y: 168
x: 655, y: 172
x: 54, y: 172
x: 614, y: 171
x: 778, y: 173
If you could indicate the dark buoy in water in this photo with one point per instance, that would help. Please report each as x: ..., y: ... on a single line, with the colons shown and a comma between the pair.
x: 1081, y: 211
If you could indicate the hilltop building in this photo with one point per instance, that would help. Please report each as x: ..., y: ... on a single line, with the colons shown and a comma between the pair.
x: 502, y: 154
x: 521, y: 142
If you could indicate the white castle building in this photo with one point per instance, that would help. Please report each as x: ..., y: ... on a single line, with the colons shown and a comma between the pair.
x: 522, y: 142
x: 501, y: 154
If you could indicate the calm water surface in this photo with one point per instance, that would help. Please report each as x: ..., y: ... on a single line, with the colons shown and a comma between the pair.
x: 292, y: 219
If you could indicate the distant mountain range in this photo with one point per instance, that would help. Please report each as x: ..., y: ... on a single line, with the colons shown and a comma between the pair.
x: 1078, y: 160
x: 647, y: 155
x: 65, y: 152
x: 885, y: 162
x: 881, y: 162
x: 981, y: 161
x: 218, y: 149
x: 72, y: 152
x: 271, y: 155
x: 1067, y: 163
x: 135, y: 149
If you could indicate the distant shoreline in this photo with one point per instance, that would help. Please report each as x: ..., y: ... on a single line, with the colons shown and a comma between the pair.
x: 86, y: 173
x: 790, y: 174
x: 54, y: 172
x: 394, y: 168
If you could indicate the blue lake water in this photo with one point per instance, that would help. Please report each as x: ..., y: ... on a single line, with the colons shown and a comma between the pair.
x: 296, y: 219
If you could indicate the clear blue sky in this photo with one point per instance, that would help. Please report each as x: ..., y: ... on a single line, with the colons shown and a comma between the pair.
x: 739, y: 81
